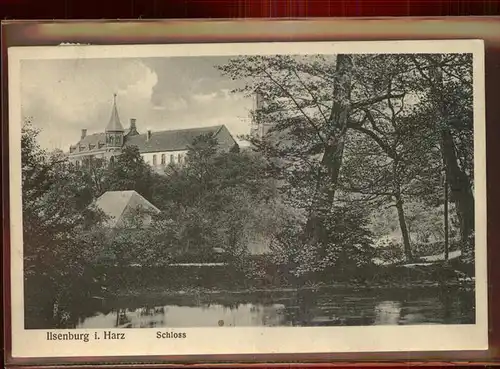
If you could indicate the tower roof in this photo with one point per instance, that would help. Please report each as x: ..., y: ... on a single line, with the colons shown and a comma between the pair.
x: 114, y: 124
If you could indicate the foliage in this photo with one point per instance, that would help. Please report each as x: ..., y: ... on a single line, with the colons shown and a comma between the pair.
x: 378, y: 120
x: 60, y: 226
x: 307, y: 102
x: 427, y: 224
x: 128, y: 171
x: 446, y: 82
x: 94, y: 171
x: 389, y: 252
x: 217, y: 199
x: 151, y: 246
x: 346, y: 242
x: 56, y: 209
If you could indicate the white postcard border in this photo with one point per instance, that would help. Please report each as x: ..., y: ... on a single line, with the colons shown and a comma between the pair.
x: 258, y: 340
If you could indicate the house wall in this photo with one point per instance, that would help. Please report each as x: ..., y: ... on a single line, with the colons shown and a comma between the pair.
x: 79, y: 158
x: 149, y: 157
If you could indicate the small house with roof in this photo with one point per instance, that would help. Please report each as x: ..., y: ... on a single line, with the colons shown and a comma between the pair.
x: 158, y: 148
x: 126, y: 213
x: 126, y: 209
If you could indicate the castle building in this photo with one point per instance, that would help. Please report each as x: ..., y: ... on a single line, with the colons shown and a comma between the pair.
x: 158, y: 148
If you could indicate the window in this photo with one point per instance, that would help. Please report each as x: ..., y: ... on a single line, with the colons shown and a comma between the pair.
x: 171, y: 159
x: 154, y: 159
x: 163, y: 159
x: 179, y: 158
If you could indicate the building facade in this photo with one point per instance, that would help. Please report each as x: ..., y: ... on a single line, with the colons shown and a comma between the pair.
x: 158, y: 148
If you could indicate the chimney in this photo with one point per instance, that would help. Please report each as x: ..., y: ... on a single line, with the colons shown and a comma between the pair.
x: 133, y: 128
x: 84, y: 133
x: 148, y: 137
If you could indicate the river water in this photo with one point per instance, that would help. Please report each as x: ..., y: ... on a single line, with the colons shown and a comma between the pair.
x: 326, y: 307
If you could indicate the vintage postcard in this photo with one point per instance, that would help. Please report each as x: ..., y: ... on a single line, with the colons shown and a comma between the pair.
x: 247, y: 198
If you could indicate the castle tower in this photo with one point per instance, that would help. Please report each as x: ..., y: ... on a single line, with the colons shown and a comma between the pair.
x: 256, y: 125
x: 114, y: 131
x: 258, y: 128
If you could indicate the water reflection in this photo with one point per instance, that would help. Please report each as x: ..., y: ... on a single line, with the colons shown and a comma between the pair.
x: 304, y: 308
x: 387, y: 313
x: 245, y: 315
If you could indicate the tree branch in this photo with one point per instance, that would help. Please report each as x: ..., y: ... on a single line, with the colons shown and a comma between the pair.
x: 383, y: 145
x: 421, y: 70
x: 371, y: 119
x: 318, y: 132
x: 376, y: 99
x: 314, y: 100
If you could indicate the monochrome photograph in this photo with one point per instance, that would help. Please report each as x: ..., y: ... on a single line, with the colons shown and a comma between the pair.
x: 265, y: 190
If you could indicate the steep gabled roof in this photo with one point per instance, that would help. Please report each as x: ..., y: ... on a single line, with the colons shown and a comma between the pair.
x: 172, y: 140
x: 117, y: 205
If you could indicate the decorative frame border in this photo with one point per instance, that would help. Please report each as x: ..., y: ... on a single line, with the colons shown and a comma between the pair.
x: 190, y: 31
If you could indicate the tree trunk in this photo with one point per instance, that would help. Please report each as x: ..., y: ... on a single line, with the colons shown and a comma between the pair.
x: 446, y: 222
x: 459, y: 182
x: 460, y: 188
x: 404, y: 230
x: 333, y: 145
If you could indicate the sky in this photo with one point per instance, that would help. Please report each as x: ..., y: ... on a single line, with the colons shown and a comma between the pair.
x: 64, y: 96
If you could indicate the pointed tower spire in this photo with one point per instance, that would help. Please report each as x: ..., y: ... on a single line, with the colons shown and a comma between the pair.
x: 114, y: 124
